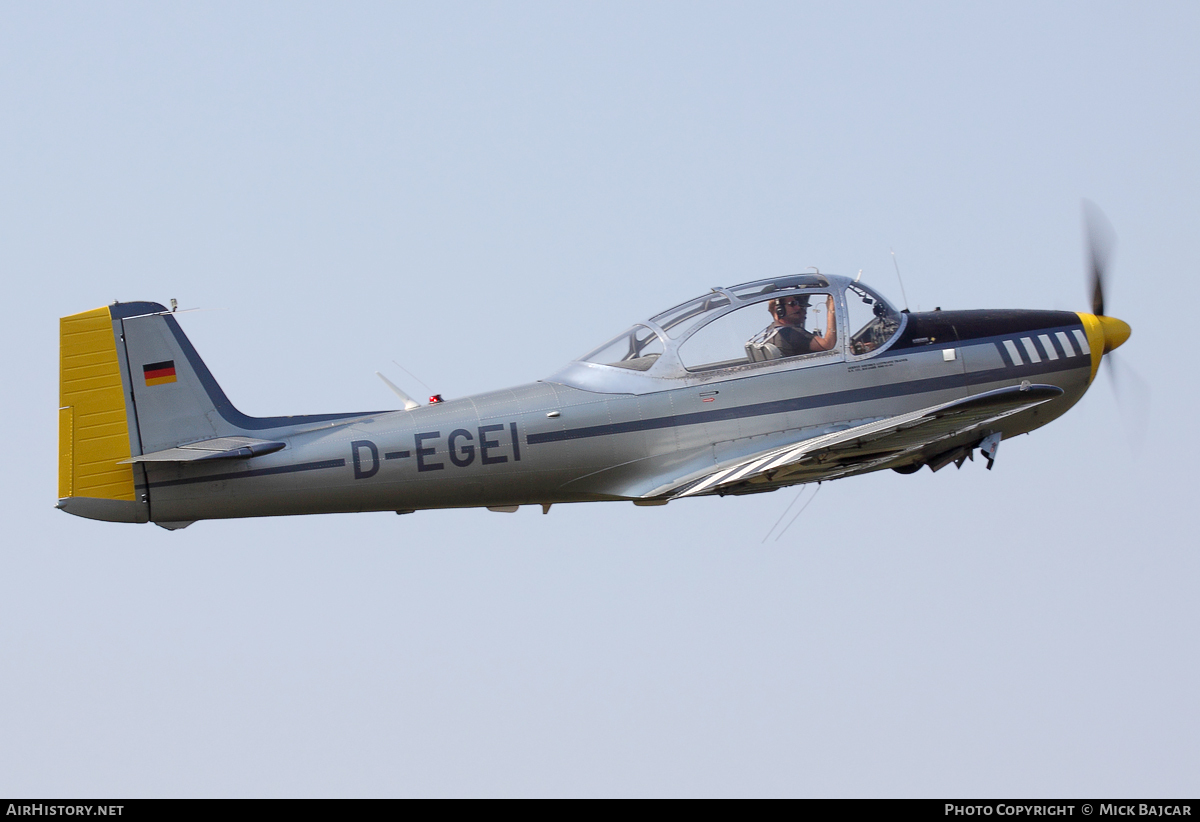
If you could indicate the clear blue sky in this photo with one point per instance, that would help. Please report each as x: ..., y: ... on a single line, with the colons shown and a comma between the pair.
x: 482, y: 192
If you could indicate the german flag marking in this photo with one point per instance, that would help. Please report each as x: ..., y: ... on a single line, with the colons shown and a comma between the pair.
x: 159, y: 373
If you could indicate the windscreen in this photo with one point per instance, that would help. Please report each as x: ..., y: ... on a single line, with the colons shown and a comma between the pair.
x: 874, y: 321
x: 636, y: 349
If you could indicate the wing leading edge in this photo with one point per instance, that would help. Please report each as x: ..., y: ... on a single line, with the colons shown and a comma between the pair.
x: 868, y: 446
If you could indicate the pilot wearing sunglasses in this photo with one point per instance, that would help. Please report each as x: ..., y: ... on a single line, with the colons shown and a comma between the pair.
x: 790, y: 335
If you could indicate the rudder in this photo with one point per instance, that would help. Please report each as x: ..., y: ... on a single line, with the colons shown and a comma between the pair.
x: 93, y: 422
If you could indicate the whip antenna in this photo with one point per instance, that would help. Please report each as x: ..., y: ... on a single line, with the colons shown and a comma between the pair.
x: 798, y: 513
x: 411, y: 374
x: 898, y: 277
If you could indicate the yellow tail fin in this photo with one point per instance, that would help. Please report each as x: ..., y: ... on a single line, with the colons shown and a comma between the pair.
x: 93, y: 427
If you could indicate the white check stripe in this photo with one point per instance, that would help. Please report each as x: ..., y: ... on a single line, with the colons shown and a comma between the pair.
x: 1011, y: 347
x: 1030, y: 349
x: 1068, y: 346
x: 748, y: 468
x: 1084, y: 348
x: 784, y: 457
x: 1048, y: 345
x: 696, y: 489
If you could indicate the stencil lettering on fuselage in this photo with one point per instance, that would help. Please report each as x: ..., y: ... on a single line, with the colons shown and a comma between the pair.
x: 361, y: 469
x: 493, y: 444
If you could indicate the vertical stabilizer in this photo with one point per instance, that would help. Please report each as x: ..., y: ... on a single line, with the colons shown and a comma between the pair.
x: 176, y: 398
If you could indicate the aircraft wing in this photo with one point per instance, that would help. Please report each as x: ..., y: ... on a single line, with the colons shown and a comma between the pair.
x: 221, y: 448
x: 871, y: 445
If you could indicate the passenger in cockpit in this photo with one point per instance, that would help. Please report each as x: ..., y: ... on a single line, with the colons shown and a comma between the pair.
x: 789, y: 334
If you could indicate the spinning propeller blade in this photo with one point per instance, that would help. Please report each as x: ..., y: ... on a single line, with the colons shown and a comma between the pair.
x: 1101, y: 240
x: 1110, y: 332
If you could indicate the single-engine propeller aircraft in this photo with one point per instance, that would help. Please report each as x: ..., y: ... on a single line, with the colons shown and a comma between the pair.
x: 728, y: 393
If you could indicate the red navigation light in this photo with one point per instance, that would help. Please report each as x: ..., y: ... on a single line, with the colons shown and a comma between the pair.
x: 436, y: 398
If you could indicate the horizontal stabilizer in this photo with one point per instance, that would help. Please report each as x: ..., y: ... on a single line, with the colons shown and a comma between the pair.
x: 221, y: 448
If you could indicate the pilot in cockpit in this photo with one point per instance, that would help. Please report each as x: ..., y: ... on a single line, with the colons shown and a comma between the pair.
x: 788, y: 333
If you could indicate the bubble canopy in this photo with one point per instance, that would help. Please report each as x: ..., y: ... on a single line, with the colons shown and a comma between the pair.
x: 733, y: 332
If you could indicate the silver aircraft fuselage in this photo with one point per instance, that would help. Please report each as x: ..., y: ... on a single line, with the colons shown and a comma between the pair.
x: 594, y: 431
